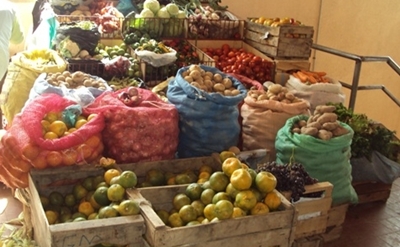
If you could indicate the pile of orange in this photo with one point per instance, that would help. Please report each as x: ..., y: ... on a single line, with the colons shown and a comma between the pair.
x: 95, y: 197
x: 235, y: 191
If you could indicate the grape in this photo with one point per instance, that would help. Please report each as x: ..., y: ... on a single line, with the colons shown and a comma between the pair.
x: 291, y: 177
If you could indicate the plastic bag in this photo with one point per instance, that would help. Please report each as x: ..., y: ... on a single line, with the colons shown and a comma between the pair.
x: 147, y: 131
x: 258, y: 134
x: 316, y: 94
x: 155, y: 59
x: 126, y: 7
x: 65, y: 7
x: 208, y: 121
x: 379, y: 169
x: 22, y: 73
x: 86, y: 38
x: 324, y: 160
x: 24, y: 147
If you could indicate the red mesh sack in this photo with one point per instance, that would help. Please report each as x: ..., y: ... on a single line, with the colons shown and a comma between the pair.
x: 146, y: 131
x: 23, y: 146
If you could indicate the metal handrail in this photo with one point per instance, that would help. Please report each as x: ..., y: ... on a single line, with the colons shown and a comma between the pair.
x: 354, y: 86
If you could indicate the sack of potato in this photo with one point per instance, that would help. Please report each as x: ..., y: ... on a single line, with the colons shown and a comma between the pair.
x: 315, y: 87
x: 41, y: 137
x: 323, y: 145
x: 80, y: 86
x: 274, y: 106
x: 207, y: 101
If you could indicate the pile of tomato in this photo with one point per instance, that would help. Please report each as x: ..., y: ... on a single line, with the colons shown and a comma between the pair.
x: 239, y: 61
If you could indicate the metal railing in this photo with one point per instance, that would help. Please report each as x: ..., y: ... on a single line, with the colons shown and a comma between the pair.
x: 354, y: 86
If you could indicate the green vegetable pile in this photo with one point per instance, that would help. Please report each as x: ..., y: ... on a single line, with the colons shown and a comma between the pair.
x: 369, y: 135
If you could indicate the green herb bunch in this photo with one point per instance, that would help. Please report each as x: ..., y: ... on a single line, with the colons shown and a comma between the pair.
x: 369, y: 135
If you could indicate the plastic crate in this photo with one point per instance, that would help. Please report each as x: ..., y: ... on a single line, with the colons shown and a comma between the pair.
x: 116, y: 34
x: 157, y: 28
x: 92, y: 67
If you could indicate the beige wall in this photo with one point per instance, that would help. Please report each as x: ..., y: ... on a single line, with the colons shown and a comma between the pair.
x: 363, y: 27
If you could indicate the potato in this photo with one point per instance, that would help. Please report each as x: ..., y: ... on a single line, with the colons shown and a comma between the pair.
x: 327, y: 117
x: 262, y: 97
x: 195, y: 84
x: 185, y: 73
x: 194, y: 67
x: 289, y: 96
x: 339, y: 131
x: 60, y: 78
x: 314, y: 125
x: 188, y: 78
x: 302, y: 123
x: 87, y: 83
x: 330, y: 125
x: 195, y: 74
x: 209, y: 84
x: 324, y: 134
x: 78, y: 77
x: 227, y: 82
x: 209, y: 74
x: 219, y: 87
x: 217, y: 78
x: 235, y: 92
x: 227, y: 92
x: 275, y: 88
x: 296, y: 130
x: 324, y: 108
x: 309, y: 131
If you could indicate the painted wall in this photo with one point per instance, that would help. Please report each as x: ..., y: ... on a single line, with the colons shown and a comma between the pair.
x: 362, y: 27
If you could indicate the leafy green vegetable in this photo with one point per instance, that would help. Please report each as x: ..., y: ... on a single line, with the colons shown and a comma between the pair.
x: 369, y: 135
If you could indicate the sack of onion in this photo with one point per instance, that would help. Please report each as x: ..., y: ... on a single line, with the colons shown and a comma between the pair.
x: 139, y: 126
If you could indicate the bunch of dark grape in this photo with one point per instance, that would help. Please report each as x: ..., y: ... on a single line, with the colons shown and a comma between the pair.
x: 291, y: 177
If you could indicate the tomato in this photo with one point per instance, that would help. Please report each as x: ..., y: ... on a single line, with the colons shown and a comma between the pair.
x: 231, y: 54
x: 226, y: 47
x: 215, y: 57
x: 257, y: 59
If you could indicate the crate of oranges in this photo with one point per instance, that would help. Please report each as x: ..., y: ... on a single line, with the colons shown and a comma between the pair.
x: 84, y: 206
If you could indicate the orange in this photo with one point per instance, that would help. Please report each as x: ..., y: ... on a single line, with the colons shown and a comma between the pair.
x: 223, y: 209
x: 80, y: 123
x: 45, y: 125
x: 225, y: 155
x: 241, y: 179
x: 116, y: 193
x: 163, y: 214
x: 238, y: 212
x: 56, y: 198
x: 22, y: 165
x: 40, y: 162
x: 107, y: 212
x: 218, y: 181
x: 88, y: 183
x: 207, y: 196
x: 50, y: 135
x: 30, y: 151
x: 188, y: 213
x: 110, y: 173
x: 155, y: 177
x: 220, y: 196
x: 91, y: 116
x: 245, y: 200
x: 86, y: 208
x: 92, y: 216
x: 182, y: 178
x: 79, y: 192
x: 93, y: 141
x: 204, y: 175
x: 193, y: 191
x: 230, y: 165
x: 69, y: 157
x: 265, y: 181
x: 174, y: 220
x: 180, y: 200
x: 232, y: 191
x: 128, y: 207
x: 93, y: 202
x: 52, y: 116
x: 209, y: 211
x: 273, y: 200
x: 100, y: 196
x: 9, y: 141
x: 199, y: 206
x: 259, y: 209
x: 54, y: 158
x: 128, y: 179
x: 206, y: 168
x: 70, y: 130
x: 51, y: 216
x: 84, y: 150
x: 69, y: 200
x: 58, y: 127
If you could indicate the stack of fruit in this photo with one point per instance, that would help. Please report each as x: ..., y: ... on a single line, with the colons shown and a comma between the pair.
x: 95, y: 197
x: 234, y: 191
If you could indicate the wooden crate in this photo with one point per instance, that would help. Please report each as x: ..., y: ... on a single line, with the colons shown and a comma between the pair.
x: 282, y: 42
x: 313, y: 212
x: 123, y: 230
x: 371, y: 191
x: 312, y: 241
x: 202, y: 44
x: 273, y: 229
x: 334, y: 226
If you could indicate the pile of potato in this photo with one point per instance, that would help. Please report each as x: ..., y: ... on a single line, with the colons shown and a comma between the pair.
x: 275, y: 92
x: 323, y: 124
x: 209, y: 82
x: 75, y: 80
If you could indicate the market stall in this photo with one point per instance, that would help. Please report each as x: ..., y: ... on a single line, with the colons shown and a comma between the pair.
x: 164, y: 124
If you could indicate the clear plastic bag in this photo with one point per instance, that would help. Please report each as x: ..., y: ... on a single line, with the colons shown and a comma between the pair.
x: 155, y: 59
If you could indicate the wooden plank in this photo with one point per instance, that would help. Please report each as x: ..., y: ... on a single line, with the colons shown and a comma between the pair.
x: 337, y: 215
x: 332, y: 233
x: 281, y: 31
x: 122, y: 230
x: 372, y: 191
x: 273, y: 229
x: 284, y: 65
x: 312, y: 241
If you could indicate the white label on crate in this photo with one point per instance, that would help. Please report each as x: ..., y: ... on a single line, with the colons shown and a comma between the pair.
x: 308, y: 216
x: 265, y: 36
